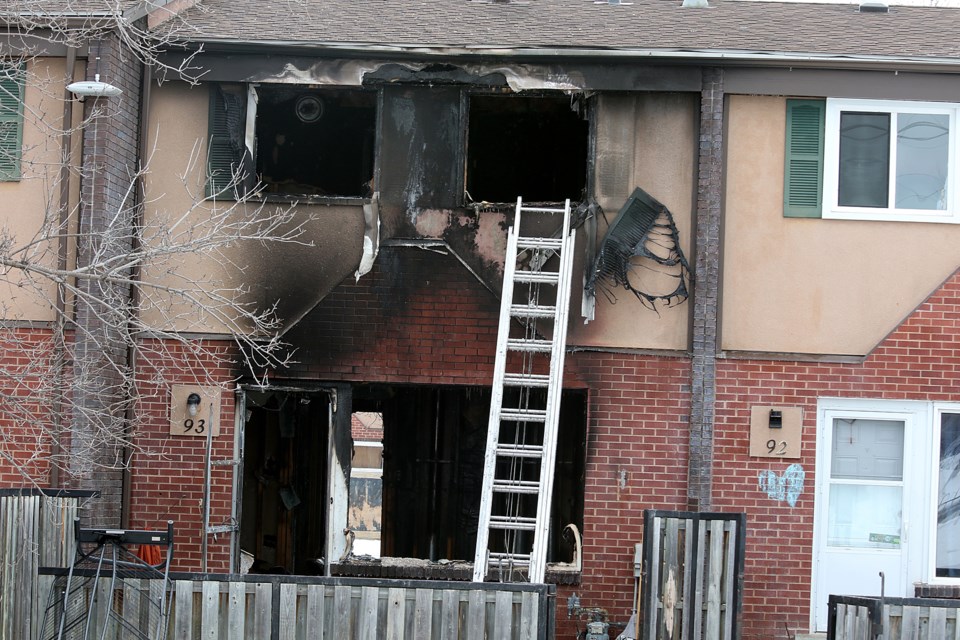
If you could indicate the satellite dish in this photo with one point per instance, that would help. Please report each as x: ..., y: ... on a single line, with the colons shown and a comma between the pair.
x: 309, y: 108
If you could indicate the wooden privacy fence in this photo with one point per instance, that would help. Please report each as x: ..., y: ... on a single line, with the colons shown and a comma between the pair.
x: 304, y: 608
x: 36, y: 529
x: 692, y: 575
x: 866, y: 618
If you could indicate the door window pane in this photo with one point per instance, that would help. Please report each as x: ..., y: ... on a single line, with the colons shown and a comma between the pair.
x: 864, y: 516
x: 948, y: 502
x: 864, y: 159
x: 923, y: 147
x: 866, y: 494
x: 867, y: 449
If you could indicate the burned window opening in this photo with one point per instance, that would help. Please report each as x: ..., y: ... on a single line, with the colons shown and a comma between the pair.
x: 433, y: 455
x: 413, y: 487
x: 291, y: 141
x: 641, y: 253
x: 534, y: 147
x: 315, y: 141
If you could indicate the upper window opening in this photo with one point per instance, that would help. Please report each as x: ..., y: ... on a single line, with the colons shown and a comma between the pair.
x: 292, y: 140
x: 889, y: 160
x: 315, y: 142
x: 534, y: 147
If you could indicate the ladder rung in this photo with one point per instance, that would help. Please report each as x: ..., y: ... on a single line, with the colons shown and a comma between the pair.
x: 529, y: 242
x: 516, y: 486
x: 532, y: 311
x: 523, y: 415
x: 520, y: 450
x: 535, y: 346
x: 513, y: 523
x: 541, y: 209
x: 522, y: 559
x: 526, y: 380
x: 541, y: 277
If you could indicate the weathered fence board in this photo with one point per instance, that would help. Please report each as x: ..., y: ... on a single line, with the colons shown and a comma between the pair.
x: 870, y: 618
x: 289, y: 608
x: 692, y: 575
x: 36, y: 529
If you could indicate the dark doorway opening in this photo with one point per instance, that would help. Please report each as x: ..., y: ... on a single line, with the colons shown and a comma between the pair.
x: 283, y: 511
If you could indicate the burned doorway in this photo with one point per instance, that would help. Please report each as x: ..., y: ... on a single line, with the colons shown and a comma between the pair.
x: 433, y: 441
x: 283, y: 514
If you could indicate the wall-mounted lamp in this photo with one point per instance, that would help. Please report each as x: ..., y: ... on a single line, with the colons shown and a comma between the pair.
x: 776, y: 419
x: 95, y: 88
x: 193, y: 403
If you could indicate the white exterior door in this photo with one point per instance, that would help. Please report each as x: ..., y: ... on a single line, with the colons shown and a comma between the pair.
x: 867, y: 499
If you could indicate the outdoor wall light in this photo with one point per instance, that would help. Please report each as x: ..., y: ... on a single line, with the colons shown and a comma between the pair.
x: 776, y: 419
x: 193, y: 403
x: 95, y: 88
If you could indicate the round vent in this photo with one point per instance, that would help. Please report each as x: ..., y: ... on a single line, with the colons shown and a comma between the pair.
x: 309, y: 108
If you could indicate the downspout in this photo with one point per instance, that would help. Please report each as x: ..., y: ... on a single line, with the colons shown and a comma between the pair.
x: 146, y: 79
x: 60, y: 320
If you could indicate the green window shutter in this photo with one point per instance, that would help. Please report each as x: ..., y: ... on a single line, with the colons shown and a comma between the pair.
x: 12, y: 80
x: 803, y: 165
x: 222, y: 161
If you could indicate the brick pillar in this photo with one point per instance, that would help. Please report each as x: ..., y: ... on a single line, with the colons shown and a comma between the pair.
x: 705, y: 292
x: 110, y: 156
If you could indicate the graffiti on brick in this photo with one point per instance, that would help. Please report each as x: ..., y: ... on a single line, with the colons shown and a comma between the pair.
x: 786, y: 487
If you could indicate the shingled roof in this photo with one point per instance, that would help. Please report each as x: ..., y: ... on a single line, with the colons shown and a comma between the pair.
x: 727, y: 27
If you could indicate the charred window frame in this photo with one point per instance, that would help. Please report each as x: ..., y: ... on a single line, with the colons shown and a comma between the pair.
x: 291, y: 141
x: 432, y: 471
x: 535, y: 145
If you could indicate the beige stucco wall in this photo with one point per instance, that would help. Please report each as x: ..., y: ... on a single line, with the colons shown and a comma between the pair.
x: 27, y: 203
x: 647, y: 141
x: 810, y: 285
x: 294, y: 276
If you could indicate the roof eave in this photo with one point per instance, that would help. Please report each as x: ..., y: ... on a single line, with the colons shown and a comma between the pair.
x: 723, y: 57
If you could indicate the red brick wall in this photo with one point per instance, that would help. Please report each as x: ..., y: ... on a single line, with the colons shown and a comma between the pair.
x: 918, y: 361
x: 637, y: 453
x: 25, y: 400
x: 168, y: 470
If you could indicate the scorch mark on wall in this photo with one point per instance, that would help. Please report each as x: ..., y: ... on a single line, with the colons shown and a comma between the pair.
x: 787, y: 487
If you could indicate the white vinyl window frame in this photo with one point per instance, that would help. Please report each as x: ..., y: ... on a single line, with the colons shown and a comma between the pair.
x: 831, y: 171
x: 931, y: 577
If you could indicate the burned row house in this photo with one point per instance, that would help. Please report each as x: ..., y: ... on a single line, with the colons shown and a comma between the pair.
x: 764, y: 309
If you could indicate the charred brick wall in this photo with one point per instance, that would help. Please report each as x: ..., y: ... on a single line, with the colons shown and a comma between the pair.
x: 417, y: 318
x: 918, y: 361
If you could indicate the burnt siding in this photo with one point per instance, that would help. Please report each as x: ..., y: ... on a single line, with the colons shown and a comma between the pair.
x: 421, y: 167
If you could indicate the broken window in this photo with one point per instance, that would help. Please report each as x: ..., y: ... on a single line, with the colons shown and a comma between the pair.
x: 534, y: 147
x: 293, y: 140
x: 411, y: 461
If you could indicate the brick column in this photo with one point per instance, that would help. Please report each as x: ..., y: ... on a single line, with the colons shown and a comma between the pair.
x: 99, y: 386
x: 705, y: 292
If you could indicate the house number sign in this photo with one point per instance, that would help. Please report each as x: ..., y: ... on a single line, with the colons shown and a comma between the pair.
x: 205, y: 414
x: 775, y: 432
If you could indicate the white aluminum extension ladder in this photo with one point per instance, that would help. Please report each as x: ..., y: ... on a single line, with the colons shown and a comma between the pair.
x: 513, y: 530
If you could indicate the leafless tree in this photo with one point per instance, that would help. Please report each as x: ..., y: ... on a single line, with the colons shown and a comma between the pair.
x: 108, y: 280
